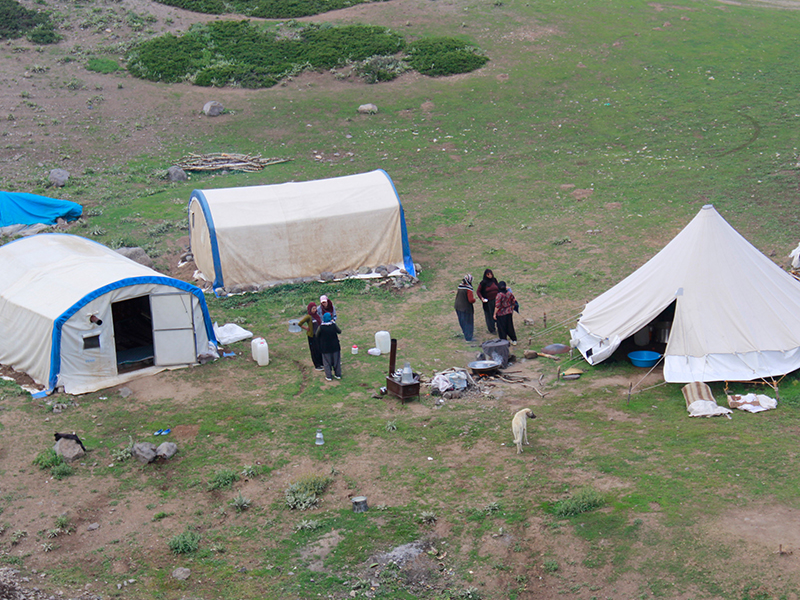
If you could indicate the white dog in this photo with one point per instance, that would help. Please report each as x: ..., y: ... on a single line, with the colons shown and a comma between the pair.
x: 519, y: 427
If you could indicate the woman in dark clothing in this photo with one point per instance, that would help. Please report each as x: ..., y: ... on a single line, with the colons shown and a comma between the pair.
x: 504, y: 313
x: 464, y: 309
x: 328, y: 338
x: 487, y: 292
x: 311, y: 322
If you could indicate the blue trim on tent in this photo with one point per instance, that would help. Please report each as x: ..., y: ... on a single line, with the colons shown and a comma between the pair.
x: 212, y: 235
x: 408, y: 263
x: 55, y: 351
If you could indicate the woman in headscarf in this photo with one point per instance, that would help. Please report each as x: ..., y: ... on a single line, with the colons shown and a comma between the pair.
x: 311, y: 322
x: 504, y: 313
x: 326, y: 306
x: 328, y: 337
x: 464, y: 309
x: 487, y: 292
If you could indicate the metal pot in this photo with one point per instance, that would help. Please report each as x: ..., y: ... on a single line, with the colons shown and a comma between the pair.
x: 484, y: 367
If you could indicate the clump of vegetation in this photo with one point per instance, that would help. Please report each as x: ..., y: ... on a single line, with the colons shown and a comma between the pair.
x: 102, y: 64
x: 249, y: 471
x: 377, y: 69
x: 428, y: 517
x: 275, y: 9
x: 223, y: 479
x: 582, y: 501
x: 123, y: 454
x: 258, y: 56
x: 184, y: 543
x: 240, y: 503
x: 307, y: 525
x: 63, y: 527
x: 304, y: 494
x: 551, y: 566
x: 444, y: 56
x: 50, y: 460
x: 16, y: 21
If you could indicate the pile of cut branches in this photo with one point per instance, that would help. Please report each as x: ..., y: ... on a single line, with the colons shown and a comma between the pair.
x: 232, y: 162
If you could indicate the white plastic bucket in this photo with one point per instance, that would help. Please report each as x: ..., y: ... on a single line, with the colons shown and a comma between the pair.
x: 383, y: 342
x: 260, y: 350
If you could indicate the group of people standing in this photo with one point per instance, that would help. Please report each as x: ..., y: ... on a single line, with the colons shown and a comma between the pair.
x: 498, y: 303
x: 320, y: 326
x: 496, y: 297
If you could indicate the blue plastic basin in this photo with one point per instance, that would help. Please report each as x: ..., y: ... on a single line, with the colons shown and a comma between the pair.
x: 644, y: 358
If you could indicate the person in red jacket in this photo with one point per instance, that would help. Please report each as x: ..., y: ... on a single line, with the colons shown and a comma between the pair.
x: 464, y: 309
x: 487, y: 292
x: 504, y: 313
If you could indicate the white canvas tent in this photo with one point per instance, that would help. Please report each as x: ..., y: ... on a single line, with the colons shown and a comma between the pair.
x: 76, y: 314
x: 736, y: 313
x: 270, y: 233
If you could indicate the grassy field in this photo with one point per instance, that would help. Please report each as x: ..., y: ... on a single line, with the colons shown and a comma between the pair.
x: 594, y: 134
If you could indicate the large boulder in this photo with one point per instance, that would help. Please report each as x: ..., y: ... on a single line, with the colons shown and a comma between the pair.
x: 144, y: 452
x: 368, y: 109
x: 166, y: 450
x: 69, y: 450
x: 138, y: 255
x: 58, y: 177
x: 175, y: 173
x: 212, y: 108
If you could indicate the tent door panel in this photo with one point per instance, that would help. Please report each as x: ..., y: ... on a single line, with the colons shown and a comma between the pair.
x: 173, y: 328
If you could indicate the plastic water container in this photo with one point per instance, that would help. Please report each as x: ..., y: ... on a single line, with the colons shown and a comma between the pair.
x: 354, y: 349
x: 407, y: 375
x: 260, y: 350
x: 383, y: 342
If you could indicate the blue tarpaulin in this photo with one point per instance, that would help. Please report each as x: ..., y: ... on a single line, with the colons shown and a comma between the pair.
x: 19, y: 208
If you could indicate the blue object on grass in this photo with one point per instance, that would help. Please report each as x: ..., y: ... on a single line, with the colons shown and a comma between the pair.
x: 20, y: 208
x: 159, y: 432
x: 644, y: 358
x: 166, y: 431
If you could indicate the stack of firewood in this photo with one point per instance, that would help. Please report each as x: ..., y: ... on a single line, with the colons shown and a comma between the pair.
x: 232, y: 162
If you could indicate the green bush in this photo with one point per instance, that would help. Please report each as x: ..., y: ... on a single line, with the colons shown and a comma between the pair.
x: 444, y: 56
x: 580, y: 502
x: 184, y: 543
x: 102, y: 65
x: 61, y: 471
x: 304, y: 494
x: 16, y: 21
x: 275, y: 9
x: 223, y: 479
x: 48, y: 459
x: 240, y: 53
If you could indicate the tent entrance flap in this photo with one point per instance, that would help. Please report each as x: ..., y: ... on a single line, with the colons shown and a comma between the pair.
x: 133, y: 333
x: 173, y: 329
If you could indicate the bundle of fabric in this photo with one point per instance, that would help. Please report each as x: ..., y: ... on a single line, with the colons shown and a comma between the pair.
x: 752, y: 402
x: 700, y: 401
x: 452, y: 379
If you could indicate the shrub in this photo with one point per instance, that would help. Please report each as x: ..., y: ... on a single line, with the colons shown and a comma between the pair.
x: 275, y: 9
x: 304, y: 494
x: 61, y: 471
x: 102, y: 65
x: 184, y: 543
x: 223, y: 479
x: 381, y: 68
x: 582, y: 501
x: 16, y: 21
x: 48, y: 459
x: 444, y: 56
x: 240, y: 503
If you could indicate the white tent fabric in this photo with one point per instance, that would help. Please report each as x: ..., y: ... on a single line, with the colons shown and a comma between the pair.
x: 737, y: 313
x: 51, y: 285
x: 270, y: 233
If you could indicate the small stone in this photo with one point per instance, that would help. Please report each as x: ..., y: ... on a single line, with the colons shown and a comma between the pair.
x: 213, y: 108
x: 181, y: 573
x: 93, y: 527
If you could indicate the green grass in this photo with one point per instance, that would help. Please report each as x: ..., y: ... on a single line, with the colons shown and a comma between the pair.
x: 612, y: 101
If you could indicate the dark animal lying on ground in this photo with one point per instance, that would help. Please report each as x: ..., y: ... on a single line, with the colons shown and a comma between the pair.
x: 70, y: 436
